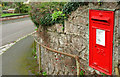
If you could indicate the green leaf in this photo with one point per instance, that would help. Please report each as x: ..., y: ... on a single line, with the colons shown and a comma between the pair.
x: 103, y: 74
x: 81, y: 72
x: 62, y: 28
x: 44, y: 73
x: 36, y: 29
x: 63, y: 14
x: 35, y: 57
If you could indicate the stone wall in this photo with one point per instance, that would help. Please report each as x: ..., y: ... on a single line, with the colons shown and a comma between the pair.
x: 74, y: 40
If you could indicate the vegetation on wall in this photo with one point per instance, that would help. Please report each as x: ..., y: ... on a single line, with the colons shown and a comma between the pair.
x: 41, y: 13
x: 72, y: 6
x: 49, y: 13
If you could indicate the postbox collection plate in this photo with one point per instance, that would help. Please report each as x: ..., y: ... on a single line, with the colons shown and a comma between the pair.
x: 100, y: 37
x: 101, y: 28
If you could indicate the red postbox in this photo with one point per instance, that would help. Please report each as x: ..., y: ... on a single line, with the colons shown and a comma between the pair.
x: 101, y: 28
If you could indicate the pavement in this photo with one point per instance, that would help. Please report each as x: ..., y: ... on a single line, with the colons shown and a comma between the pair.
x: 18, y: 58
x: 5, y: 47
x: 14, y: 29
x: 15, y: 60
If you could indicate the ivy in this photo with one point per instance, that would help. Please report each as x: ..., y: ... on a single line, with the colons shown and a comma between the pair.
x: 41, y: 13
x: 33, y: 18
x: 72, y: 6
x: 58, y: 15
x: 46, y: 20
x: 49, y: 13
x: 99, y: 2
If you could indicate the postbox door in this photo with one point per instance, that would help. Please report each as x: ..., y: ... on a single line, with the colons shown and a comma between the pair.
x: 101, y: 44
x: 101, y: 51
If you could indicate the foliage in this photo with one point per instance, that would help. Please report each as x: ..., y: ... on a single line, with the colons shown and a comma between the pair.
x: 62, y: 28
x: 46, y: 20
x: 72, y: 6
x: 34, y: 50
x: 21, y: 8
x: 103, y: 73
x: 82, y: 72
x: 44, y: 73
x: 41, y: 13
x: 99, y: 2
x: 49, y: 13
x: 36, y: 29
x: 58, y: 15
x: 6, y: 5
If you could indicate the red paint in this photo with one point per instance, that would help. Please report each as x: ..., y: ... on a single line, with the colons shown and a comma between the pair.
x: 57, y: 59
x: 72, y: 69
x: 100, y: 57
x: 80, y: 70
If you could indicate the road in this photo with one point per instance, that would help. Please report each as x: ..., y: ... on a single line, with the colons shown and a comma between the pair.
x: 14, y: 29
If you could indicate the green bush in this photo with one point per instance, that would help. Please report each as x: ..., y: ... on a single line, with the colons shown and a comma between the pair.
x: 41, y: 13
x: 58, y: 17
x: 22, y: 8
x: 57, y: 14
x: 7, y: 5
x: 46, y: 20
x: 49, y: 13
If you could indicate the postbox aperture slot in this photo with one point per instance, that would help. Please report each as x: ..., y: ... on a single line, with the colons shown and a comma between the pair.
x: 100, y: 20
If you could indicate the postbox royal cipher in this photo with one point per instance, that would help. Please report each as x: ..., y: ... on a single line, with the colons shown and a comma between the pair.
x: 101, y: 28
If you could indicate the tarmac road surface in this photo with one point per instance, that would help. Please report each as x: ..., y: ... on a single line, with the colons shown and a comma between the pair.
x: 14, y: 29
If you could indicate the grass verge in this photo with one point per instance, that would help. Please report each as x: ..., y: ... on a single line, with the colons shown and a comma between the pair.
x: 11, y: 14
